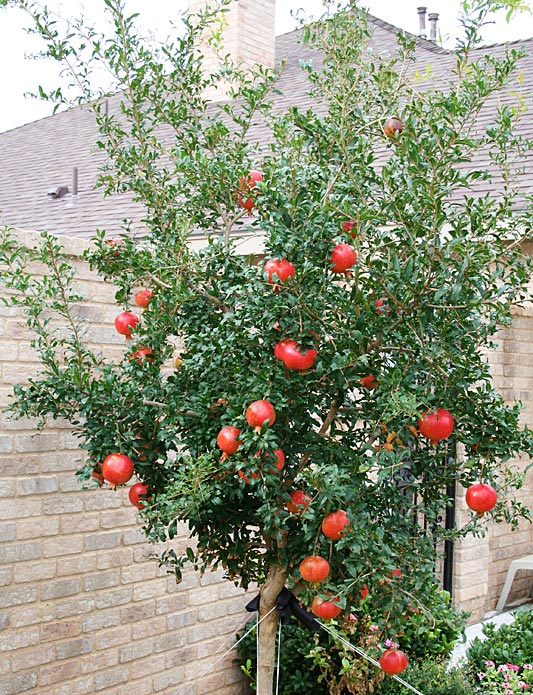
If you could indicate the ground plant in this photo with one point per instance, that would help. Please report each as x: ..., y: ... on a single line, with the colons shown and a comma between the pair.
x: 335, y: 370
x: 502, y: 660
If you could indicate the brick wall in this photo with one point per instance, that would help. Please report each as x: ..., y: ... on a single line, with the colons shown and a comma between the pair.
x: 482, y: 563
x: 248, y: 37
x: 83, y: 609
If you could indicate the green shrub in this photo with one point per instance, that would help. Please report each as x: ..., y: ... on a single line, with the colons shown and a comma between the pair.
x: 432, y: 631
x: 505, y: 644
x: 318, y: 664
x: 297, y: 673
x: 431, y: 678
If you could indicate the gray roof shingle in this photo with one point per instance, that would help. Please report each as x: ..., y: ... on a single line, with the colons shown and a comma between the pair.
x: 42, y: 154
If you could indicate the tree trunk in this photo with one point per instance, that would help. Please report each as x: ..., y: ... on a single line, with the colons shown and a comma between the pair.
x: 266, y: 656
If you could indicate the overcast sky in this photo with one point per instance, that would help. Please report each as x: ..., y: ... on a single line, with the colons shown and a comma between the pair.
x: 19, y: 74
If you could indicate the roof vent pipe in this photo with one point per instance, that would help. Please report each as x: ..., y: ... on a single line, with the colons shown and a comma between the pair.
x: 422, y: 17
x: 75, y: 181
x: 433, y: 18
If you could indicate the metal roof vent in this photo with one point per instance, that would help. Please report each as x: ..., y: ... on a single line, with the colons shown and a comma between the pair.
x: 433, y: 19
x: 57, y: 192
x: 422, y: 17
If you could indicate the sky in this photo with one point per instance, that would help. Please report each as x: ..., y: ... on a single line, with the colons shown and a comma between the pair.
x: 20, y: 74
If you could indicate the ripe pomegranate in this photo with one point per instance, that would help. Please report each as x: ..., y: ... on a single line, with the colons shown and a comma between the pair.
x: 280, y: 459
x: 363, y: 592
x: 117, y: 468
x: 481, y: 497
x: 253, y: 177
x: 142, y: 355
x: 143, y: 297
x: 259, y: 412
x: 126, y: 322
x: 294, y: 356
x: 393, y: 126
x: 138, y: 495
x: 324, y: 608
x: 314, y: 568
x: 246, y: 479
x: 347, y: 226
x: 246, y: 183
x: 97, y: 474
x: 369, y: 382
x: 381, y: 306
x: 343, y: 257
x: 299, y: 502
x: 393, y: 661
x: 227, y: 439
x: 436, y: 425
x: 280, y: 268
x: 334, y: 524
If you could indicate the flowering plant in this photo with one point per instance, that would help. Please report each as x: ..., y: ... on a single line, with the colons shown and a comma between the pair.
x: 506, y: 679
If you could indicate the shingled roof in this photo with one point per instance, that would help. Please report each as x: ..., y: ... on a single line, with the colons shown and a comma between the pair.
x: 43, y: 154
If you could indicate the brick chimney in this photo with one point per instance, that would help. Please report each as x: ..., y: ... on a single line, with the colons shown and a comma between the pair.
x: 248, y: 35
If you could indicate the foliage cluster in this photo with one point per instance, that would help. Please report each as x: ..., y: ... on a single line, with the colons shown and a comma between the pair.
x: 505, y: 644
x: 318, y: 663
x: 439, y: 269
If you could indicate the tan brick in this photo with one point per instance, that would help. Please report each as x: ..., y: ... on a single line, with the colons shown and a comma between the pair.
x: 65, y: 545
x: 135, y: 651
x: 20, y: 595
x: 139, y: 572
x: 76, y: 606
x: 117, y: 517
x: 61, y: 630
x: 32, y: 614
x: 113, y: 597
x: 19, y: 639
x: 8, y: 531
x: 58, y: 672
x: 34, y: 656
x: 19, y: 683
x: 178, y: 657
x: 6, y: 576
x: 101, y: 580
x: 149, y: 628
x: 34, y: 571
x: 79, y: 564
x: 100, y: 661
x: 19, y: 552
x: 79, y: 686
x: 60, y: 588
x: 74, y: 648
x: 147, y: 590
x: 37, y: 528
x: 111, y: 677
x: 13, y: 509
x: 115, y: 558
x: 136, y: 612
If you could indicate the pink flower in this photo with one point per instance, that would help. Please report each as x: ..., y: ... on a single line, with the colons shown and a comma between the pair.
x: 524, y: 685
x: 489, y: 663
x: 526, y: 667
x: 352, y: 616
x: 503, y: 667
x: 373, y: 628
x: 392, y: 645
x: 513, y: 667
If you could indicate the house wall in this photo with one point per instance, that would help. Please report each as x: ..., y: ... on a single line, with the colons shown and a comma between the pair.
x: 83, y: 609
x: 482, y: 563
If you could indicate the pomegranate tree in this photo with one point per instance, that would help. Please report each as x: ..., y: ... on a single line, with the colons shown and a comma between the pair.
x: 309, y: 380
